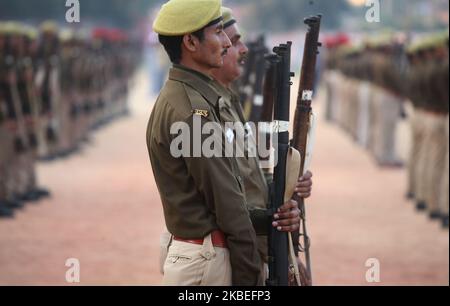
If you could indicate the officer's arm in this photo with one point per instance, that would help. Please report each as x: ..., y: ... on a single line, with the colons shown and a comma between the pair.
x: 260, y: 218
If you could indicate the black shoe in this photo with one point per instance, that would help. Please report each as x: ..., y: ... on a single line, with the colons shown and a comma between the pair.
x: 445, y: 222
x: 42, y: 192
x: 14, y: 204
x: 48, y: 158
x: 410, y: 195
x: 6, y: 212
x: 60, y: 155
x: 435, y: 215
x: 421, y: 206
x: 30, y: 196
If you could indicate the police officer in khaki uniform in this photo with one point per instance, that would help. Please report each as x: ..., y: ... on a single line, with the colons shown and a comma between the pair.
x: 29, y: 107
x: 444, y: 191
x: 16, y: 172
x: 47, y: 83
x: 415, y: 96
x: 387, y: 105
x: 214, y: 242
x: 230, y: 110
x: 5, y: 135
x: 435, y: 141
x: 428, y: 91
x: 256, y: 189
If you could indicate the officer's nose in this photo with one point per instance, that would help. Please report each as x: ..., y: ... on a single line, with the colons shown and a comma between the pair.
x: 226, y: 43
x: 244, y: 50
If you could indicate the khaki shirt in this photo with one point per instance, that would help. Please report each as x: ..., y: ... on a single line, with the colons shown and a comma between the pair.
x: 256, y: 189
x: 199, y: 194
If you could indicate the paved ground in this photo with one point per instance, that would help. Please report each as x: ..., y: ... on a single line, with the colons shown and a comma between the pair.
x: 105, y: 211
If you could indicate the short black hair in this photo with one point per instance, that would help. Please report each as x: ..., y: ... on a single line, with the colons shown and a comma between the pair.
x: 172, y: 44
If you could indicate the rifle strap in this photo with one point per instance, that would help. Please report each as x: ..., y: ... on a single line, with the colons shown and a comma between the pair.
x: 310, y: 142
x: 293, y: 260
x: 293, y: 166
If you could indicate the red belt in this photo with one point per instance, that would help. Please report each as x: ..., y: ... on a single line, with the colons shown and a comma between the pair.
x: 217, y: 237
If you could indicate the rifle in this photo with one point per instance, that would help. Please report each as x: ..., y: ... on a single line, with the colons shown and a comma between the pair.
x: 269, y: 95
x: 303, y: 121
x: 278, y: 242
x: 270, y: 87
x: 244, y: 86
x: 252, y: 80
x: 257, y: 78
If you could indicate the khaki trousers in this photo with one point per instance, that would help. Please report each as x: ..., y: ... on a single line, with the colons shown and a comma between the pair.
x: 444, y: 199
x: 11, y: 164
x: 417, y: 138
x: 5, y: 155
x: 335, y: 95
x: 338, y: 97
x: 422, y: 156
x: 435, y: 159
x: 373, y: 119
x: 363, y: 120
x: 189, y: 264
x: 387, y: 108
x: 329, y: 95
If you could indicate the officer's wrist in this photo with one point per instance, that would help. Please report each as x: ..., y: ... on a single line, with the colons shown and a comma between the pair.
x: 260, y: 219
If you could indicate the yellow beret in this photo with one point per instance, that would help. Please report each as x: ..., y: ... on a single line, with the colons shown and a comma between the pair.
x: 49, y: 27
x: 437, y: 40
x: 30, y: 32
x: 82, y: 34
x: 179, y: 17
x: 66, y: 35
x: 228, y: 18
x: 12, y: 28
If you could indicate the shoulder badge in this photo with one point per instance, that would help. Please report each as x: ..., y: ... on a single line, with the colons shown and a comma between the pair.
x: 201, y: 112
x: 200, y: 106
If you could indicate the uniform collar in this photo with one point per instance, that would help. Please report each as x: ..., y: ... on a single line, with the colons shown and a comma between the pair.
x: 197, y: 80
x: 230, y: 99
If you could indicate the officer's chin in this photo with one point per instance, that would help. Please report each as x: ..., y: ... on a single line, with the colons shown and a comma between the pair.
x: 220, y: 63
x: 240, y: 71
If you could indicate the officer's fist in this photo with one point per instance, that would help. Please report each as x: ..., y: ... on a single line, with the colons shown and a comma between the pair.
x: 304, y: 185
x: 287, y: 218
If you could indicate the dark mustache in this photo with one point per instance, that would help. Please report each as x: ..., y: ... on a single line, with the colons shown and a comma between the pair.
x: 243, y: 58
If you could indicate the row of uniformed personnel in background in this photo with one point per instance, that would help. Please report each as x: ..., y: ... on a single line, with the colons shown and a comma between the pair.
x: 371, y: 89
x: 56, y: 86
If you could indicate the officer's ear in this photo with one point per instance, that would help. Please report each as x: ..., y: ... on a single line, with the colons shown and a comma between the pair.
x: 190, y: 42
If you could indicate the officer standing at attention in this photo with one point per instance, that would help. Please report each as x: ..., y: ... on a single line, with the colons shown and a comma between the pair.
x: 5, y: 211
x: 205, y: 208
x: 255, y: 185
x: 256, y: 188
